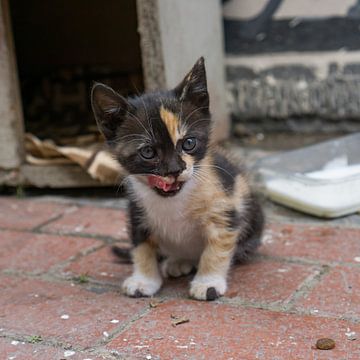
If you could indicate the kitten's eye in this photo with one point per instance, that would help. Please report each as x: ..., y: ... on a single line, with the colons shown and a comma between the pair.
x: 147, y: 152
x: 189, y: 144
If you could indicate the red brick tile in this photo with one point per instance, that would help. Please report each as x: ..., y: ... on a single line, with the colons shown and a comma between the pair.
x: 338, y: 294
x: 218, y: 331
x: 258, y: 281
x: 38, y: 252
x: 17, y: 350
x: 27, y: 214
x: 312, y: 242
x: 92, y: 220
x: 101, y: 265
x: 34, y: 307
x: 267, y: 281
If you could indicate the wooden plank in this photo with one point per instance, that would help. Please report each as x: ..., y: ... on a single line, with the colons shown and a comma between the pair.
x: 11, y: 118
x: 68, y: 176
x: 174, y: 34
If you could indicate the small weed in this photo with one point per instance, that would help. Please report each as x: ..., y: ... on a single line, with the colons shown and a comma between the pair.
x: 35, y: 339
x: 81, y: 279
x: 20, y: 193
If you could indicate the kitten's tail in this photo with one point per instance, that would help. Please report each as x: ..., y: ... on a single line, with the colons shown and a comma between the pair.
x: 124, y: 254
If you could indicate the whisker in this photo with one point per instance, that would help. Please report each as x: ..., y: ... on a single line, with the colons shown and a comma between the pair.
x: 218, y: 167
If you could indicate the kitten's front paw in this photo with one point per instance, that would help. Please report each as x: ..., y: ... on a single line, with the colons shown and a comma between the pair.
x: 175, y: 267
x: 139, y: 286
x: 207, y: 287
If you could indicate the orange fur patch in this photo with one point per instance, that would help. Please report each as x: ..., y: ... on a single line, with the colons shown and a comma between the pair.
x: 171, y: 121
x: 144, y: 258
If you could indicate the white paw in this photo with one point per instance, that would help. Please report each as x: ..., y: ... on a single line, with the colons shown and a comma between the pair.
x: 175, y: 267
x: 138, y: 285
x: 208, y: 287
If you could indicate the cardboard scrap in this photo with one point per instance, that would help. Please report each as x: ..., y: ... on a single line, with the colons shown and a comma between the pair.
x: 92, y: 157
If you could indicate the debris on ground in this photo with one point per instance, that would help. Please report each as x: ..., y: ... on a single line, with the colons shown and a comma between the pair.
x: 325, y: 344
x: 178, y: 320
x: 35, y: 339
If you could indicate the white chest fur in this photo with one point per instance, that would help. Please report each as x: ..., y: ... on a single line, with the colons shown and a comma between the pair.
x: 177, y: 232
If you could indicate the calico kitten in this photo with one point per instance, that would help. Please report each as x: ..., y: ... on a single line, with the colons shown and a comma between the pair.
x: 189, y: 203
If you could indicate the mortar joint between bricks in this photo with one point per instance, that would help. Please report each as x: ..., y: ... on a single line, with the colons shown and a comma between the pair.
x: 104, y: 238
x: 38, y: 228
x: 125, y: 326
x: 82, y: 253
x: 307, y: 286
x: 49, y: 342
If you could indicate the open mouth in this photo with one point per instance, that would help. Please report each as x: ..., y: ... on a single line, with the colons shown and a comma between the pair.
x: 165, y: 186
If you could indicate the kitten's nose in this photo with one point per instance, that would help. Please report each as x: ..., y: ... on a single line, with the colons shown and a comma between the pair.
x: 175, y: 167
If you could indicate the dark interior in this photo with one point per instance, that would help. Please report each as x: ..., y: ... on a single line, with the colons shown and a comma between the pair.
x: 61, y: 48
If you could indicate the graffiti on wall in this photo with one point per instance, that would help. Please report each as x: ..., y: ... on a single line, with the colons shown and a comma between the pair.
x: 275, y: 28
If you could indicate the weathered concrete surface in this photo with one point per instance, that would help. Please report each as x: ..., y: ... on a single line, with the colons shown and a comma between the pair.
x: 296, y: 92
x: 11, y: 121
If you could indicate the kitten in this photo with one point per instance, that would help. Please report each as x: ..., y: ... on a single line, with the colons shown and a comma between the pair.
x: 189, y: 203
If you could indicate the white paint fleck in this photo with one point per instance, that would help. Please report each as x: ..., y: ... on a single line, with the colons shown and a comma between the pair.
x: 295, y: 22
x: 260, y: 36
x: 11, y: 357
x: 267, y: 239
x: 115, y: 321
x: 357, y: 258
x: 36, y: 295
x: 124, y: 339
x: 182, y: 346
x: 141, y: 346
x: 104, y: 273
x: 65, y: 316
x: 314, y: 311
x: 1, y: 329
x: 69, y: 353
x: 106, y: 334
x: 283, y: 270
x: 79, y: 228
x: 148, y: 357
x: 192, y: 343
x: 351, y: 335
x: 15, y: 342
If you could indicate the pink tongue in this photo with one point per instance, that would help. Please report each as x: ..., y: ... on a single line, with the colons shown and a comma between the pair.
x: 160, y: 183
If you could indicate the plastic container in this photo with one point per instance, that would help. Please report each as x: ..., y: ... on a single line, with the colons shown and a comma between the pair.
x: 322, y: 179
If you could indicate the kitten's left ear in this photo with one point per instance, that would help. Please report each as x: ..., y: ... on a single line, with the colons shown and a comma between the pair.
x: 109, y: 109
x: 194, y: 86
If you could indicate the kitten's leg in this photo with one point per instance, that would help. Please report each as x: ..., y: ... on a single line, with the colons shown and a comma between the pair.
x: 146, y: 279
x: 210, y: 280
x: 172, y: 267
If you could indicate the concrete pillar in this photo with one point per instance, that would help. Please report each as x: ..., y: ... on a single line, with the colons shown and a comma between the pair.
x: 174, y: 34
x: 11, y: 119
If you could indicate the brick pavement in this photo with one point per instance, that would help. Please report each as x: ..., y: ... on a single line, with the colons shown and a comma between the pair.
x: 60, y: 293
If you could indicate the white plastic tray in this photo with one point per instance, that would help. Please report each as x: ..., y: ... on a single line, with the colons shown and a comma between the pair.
x: 322, y: 180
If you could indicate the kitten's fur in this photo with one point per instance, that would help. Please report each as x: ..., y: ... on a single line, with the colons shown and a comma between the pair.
x: 189, y: 202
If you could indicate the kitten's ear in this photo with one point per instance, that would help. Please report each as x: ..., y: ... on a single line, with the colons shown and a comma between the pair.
x: 109, y: 109
x: 194, y: 87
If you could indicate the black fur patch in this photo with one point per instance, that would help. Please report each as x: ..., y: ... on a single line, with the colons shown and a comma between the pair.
x: 251, y: 224
x: 226, y: 171
x: 233, y: 218
x: 138, y: 231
